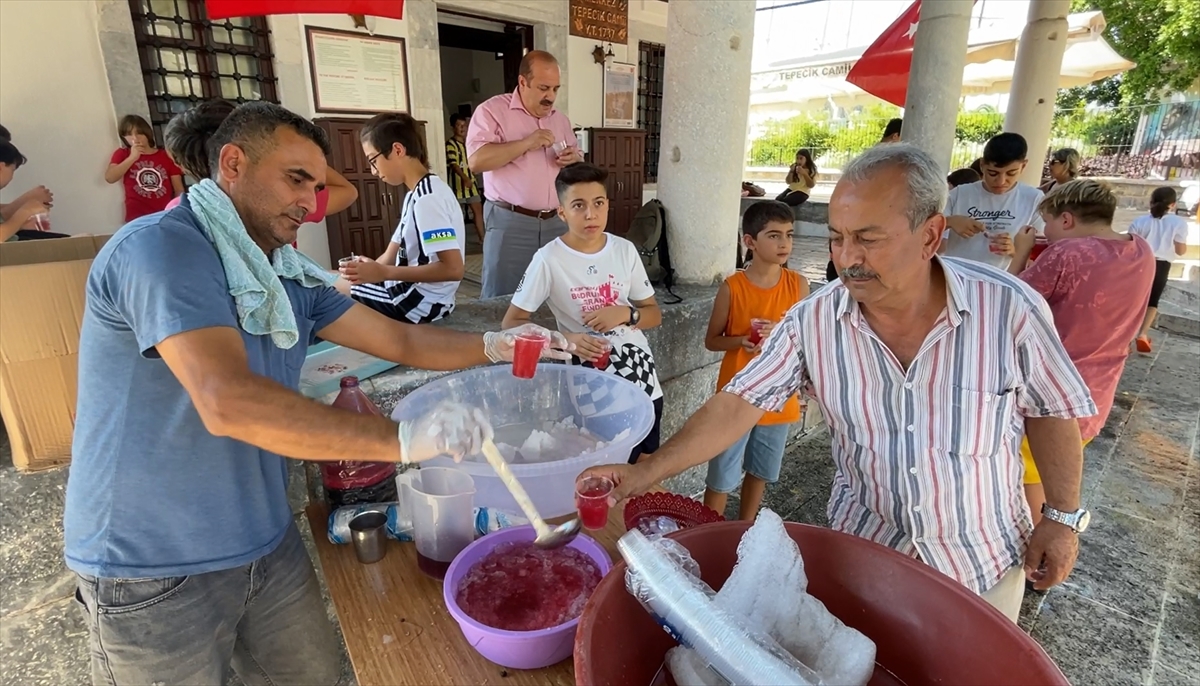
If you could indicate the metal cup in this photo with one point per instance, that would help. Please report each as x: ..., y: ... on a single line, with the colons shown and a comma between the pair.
x: 367, y: 532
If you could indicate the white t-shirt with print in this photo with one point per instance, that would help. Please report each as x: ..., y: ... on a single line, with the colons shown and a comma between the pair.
x: 1009, y: 212
x: 431, y: 221
x: 1162, y: 234
x: 576, y: 283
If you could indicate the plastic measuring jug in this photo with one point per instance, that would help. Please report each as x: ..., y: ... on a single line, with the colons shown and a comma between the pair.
x: 438, y: 502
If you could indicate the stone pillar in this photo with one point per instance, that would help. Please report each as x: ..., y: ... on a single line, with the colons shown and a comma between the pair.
x: 1035, y: 80
x: 706, y: 102
x: 425, y: 78
x: 114, y: 28
x: 935, y: 79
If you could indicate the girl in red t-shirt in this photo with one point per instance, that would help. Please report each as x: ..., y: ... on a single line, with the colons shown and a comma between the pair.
x: 151, y: 179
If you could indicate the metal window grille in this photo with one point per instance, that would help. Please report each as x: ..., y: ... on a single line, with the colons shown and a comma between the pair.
x: 187, y: 59
x: 651, y: 67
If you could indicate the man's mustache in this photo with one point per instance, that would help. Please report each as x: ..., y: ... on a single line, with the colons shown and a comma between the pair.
x: 857, y: 272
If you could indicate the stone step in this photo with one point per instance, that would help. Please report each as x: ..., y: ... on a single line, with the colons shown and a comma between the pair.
x: 1183, y: 294
x: 1177, y: 320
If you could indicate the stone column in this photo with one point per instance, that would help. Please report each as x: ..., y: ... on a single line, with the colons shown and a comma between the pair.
x: 935, y: 79
x: 1035, y: 80
x: 706, y: 102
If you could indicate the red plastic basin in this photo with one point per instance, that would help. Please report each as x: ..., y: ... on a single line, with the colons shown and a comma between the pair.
x: 927, y: 628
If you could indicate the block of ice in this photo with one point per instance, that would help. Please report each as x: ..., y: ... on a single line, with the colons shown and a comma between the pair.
x: 769, y: 559
x: 688, y: 669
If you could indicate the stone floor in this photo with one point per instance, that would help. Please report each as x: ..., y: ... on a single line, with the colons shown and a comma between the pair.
x: 1129, y: 614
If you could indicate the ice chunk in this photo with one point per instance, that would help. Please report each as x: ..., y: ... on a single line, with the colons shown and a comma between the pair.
x: 682, y: 604
x: 772, y: 561
x: 688, y: 669
x: 769, y: 559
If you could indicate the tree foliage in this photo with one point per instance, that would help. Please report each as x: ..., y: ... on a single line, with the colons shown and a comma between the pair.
x: 1161, y: 36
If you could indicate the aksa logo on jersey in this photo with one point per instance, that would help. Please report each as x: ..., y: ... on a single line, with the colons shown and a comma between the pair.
x: 439, y: 236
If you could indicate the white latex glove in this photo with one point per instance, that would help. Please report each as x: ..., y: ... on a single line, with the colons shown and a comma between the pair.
x: 449, y: 429
x: 498, y: 346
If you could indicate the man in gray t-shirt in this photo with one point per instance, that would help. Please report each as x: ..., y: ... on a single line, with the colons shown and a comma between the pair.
x: 177, y: 521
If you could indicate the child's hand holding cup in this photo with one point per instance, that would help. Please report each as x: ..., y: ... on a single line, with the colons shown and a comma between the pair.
x: 999, y: 242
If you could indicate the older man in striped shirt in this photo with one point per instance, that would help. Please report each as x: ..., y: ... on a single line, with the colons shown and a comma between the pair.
x: 928, y: 371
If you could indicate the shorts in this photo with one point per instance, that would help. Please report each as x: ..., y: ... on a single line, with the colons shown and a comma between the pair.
x: 650, y: 443
x: 1162, y: 269
x: 412, y: 308
x: 470, y: 201
x: 1031, y: 472
x: 758, y: 453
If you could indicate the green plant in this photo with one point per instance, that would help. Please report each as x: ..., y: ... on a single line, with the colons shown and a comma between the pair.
x: 978, y: 126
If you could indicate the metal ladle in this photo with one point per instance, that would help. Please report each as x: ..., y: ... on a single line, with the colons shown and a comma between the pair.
x: 547, y: 537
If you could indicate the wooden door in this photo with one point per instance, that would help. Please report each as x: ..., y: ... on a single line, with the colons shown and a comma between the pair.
x: 366, y: 227
x: 622, y: 153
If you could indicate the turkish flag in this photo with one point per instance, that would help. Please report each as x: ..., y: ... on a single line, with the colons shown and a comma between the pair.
x: 883, y: 69
x: 223, y: 9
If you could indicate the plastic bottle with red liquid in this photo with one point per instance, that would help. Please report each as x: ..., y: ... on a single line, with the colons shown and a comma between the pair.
x: 352, y: 482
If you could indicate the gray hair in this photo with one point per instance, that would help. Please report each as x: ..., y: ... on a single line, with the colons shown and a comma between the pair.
x: 926, y: 184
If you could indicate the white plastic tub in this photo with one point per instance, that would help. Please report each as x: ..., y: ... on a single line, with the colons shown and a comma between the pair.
x: 604, y: 404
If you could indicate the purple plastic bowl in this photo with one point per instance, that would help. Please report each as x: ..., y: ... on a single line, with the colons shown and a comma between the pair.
x: 515, y: 649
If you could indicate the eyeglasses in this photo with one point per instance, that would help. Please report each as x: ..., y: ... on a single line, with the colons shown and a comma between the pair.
x: 371, y: 160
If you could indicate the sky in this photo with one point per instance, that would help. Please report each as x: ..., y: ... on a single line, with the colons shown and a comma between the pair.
x: 819, y: 26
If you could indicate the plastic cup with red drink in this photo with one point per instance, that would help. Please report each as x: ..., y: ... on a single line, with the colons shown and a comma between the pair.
x: 756, y: 330
x: 993, y: 237
x: 1039, y: 246
x: 601, y: 361
x: 41, y: 221
x: 527, y: 350
x: 591, y: 500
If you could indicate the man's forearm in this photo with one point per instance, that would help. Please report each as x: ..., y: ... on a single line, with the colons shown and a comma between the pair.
x: 1058, y: 453
x: 495, y: 155
x: 260, y: 412
x: 440, y: 349
x: 715, y: 426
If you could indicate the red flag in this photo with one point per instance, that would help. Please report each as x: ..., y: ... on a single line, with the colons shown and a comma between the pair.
x: 883, y: 69
x: 223, y: 9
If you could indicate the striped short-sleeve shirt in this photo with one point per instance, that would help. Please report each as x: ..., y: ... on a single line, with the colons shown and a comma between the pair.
x: 928, y: 459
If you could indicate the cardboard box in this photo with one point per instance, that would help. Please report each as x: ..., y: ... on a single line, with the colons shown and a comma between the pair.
x: 42, y: 286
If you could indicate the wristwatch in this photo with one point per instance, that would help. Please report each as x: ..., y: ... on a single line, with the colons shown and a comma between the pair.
x: 635, y: 316
x: 1077, y: 520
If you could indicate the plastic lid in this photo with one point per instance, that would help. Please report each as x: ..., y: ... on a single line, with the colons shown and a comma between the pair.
x: 349, y: 381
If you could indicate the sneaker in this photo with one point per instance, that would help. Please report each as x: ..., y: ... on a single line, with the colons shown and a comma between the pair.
x: 1143, y: 344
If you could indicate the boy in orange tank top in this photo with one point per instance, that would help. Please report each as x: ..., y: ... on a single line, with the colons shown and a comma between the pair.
x: 747, y: 307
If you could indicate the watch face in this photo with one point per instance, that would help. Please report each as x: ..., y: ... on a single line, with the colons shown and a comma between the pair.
x: 1085, y: 518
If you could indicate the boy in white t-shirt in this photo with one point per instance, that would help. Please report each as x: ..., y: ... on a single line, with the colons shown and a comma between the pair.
x: 415, y: 280
x: 984, y: 216
x: 597, y: 288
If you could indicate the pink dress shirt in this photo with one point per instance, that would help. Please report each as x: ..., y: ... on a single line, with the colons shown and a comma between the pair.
x: 527, y: 181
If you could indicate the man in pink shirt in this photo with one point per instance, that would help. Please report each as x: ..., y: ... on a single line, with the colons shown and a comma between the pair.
x: 518, y: 141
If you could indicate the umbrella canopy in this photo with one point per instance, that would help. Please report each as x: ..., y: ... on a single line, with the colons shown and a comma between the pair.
x: 991, y: 59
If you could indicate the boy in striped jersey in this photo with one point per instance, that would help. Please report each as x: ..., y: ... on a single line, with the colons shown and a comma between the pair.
x: 416, y: 278
x: 462, y: 179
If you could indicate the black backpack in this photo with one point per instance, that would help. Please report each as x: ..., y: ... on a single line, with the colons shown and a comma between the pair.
x: 648, y: 233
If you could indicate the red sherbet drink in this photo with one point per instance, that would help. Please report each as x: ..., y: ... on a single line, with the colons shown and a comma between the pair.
x: 519, y: 587
x: 527, y: 350
x: 591, y: 500
x: 601, y: 362
x: 756, y: 329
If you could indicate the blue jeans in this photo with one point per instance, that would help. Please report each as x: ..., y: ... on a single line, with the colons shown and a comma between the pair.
x: 759, y: 453
x: 266, y: 620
